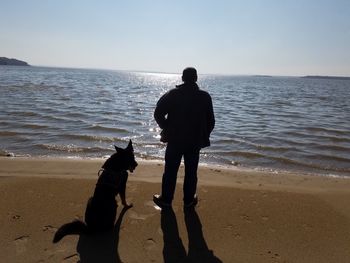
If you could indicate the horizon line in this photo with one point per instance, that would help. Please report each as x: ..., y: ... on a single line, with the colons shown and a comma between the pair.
x: 177, y: 73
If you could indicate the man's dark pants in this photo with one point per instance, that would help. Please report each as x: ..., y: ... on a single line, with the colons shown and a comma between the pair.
x: 173, y: 156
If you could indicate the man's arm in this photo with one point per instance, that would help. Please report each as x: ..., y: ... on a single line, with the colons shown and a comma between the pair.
x: 161, y: 111
x: 210, y: 116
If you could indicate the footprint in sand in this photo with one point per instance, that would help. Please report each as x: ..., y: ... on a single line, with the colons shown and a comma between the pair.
x: 71, y: 258
x: 274, y: 255
x: 73, y: 204
x: 307, y: 226
x: 204, y: 190
x: 272, y: 230
x: 149, y: 204
x: 16, y: 217
x: 264, y: 195
x: 265, y: 218
x: 132, y: 188
x: 229, y: 227
x: 237, y: 236
x: 136, y: 216
x: 246, y: 218
x: 49, y: 228
x: 21, y: 244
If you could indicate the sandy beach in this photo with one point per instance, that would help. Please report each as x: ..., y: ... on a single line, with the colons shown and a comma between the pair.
x: 242, y: 216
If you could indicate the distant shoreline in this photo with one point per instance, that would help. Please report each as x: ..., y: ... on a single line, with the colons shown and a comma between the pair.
x: 175, y: 73
x: 12, y: 62
x: 326, y: 77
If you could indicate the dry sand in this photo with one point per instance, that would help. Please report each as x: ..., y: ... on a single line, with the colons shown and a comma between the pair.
x: 242, y: 216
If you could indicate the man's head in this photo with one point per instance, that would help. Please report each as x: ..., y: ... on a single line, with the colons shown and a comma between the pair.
x: 189, y: 75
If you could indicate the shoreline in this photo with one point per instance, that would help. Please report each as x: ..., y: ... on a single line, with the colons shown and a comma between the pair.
x: 237, y: 168
x: 151, y: 171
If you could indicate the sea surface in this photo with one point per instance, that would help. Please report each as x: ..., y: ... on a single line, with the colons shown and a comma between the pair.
x: 268, y: 123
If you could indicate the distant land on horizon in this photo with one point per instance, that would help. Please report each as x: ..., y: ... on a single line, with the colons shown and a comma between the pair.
x: 326, y: 77
x: 4, y: 61
x: 12, y: 62
x: 262, y: 76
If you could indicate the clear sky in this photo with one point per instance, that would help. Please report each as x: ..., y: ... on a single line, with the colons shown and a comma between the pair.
x: 272, y: 37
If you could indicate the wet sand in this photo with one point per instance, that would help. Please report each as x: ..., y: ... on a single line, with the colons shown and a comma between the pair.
x: 242, y: 216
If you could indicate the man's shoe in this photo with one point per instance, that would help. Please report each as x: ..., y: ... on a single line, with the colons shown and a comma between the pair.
x: 158, y: 200
x: 193, y: 203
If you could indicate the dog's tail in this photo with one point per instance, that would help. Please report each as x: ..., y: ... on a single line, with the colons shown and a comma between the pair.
x: 76, y: 227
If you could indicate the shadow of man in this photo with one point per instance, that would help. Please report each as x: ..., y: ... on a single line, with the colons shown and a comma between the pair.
x: 101, y: 247
x: 198, y: 250
x: 174, y: 250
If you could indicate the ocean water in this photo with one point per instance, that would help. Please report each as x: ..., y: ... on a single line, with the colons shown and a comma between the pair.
x: 268, y: 123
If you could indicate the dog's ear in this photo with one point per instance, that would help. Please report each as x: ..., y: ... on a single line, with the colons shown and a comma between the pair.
x: 129, y: 147
x: 117, y: 149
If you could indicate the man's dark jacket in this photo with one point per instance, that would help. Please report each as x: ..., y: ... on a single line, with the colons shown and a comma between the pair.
x: 186, y: 116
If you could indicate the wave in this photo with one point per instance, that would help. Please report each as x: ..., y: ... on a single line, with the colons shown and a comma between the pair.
x: 9, y: 133
x: 332, y: 147
x: 70, y: 115
x: 23, y: 113
x: 327, y: 130
x: 338, y: 139
x: 316, y: 166
x: 4, y: 153
x: 320, y: 137
x: 273, y: 148
x: 248, y: 155
x: 34, y: 126
x: 331, y: 158
x: 262, y: 147
x: 91, y: 138
x: 98, y: 127
x: 57, y: 118
x: 71, y: 148
x: 245, y: 157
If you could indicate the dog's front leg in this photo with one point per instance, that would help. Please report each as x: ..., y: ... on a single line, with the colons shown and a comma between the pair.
x: 122, y: 190
x: 122, y: 197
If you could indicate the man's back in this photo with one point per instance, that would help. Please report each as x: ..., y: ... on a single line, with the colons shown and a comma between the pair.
x: 186, y: 116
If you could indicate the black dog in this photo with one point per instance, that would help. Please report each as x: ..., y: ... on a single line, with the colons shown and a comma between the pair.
x: 100, y: 213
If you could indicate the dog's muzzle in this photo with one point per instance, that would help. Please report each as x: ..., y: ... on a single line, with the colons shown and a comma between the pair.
x: 133, y: 167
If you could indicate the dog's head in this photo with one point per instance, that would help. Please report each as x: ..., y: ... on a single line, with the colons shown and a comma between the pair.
x: 123, y: 159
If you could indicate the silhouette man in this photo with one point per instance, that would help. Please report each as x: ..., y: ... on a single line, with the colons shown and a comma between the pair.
x: 185, y: 115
